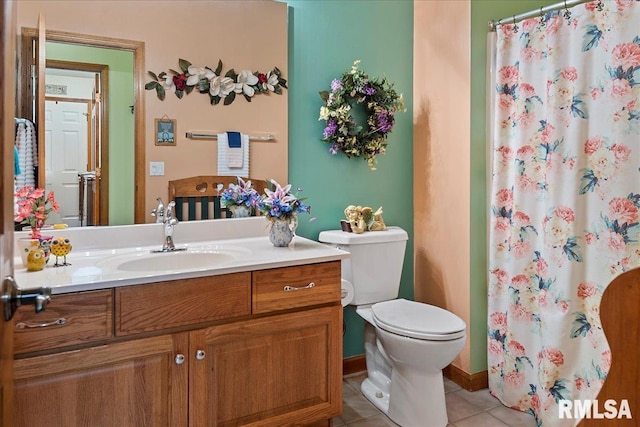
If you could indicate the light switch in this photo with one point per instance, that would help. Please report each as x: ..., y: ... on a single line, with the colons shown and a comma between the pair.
x: 156, y: 168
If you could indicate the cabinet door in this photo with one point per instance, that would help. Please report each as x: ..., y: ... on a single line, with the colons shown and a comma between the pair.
x: 283, y: 370
x: 136, y: 383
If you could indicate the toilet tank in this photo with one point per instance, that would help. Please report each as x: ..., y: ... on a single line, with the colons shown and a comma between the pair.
x: 375, y: 265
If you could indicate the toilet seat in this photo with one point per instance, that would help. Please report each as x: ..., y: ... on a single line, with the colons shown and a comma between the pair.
x: 418, y: 320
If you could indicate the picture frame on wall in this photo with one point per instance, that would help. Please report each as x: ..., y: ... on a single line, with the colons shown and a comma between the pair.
x: 165, y: 132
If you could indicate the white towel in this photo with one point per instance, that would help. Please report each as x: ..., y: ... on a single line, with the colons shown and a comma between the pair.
x: 235, y: 157
x: 228, y: 158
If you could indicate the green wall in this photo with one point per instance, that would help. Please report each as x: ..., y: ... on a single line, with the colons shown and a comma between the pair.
x: 325, y: 37
x: 482, y: 11
x: 121, y: 121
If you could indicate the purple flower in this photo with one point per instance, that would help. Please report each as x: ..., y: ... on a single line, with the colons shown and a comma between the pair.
x: 368, y: 90
x: 334, y: 149
x: 385, y: 121
x: 335, y: 85
x: 331, y: 128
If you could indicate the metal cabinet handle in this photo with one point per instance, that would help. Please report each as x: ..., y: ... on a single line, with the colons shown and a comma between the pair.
x: 293, y: 288
x: 200, y: 354
x: 179, y: 359
x: 26, y: 325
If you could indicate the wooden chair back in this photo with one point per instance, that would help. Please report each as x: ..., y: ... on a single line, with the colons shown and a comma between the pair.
x: 197, y: 197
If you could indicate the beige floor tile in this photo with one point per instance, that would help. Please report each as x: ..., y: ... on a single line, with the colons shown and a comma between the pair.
x: 480, y: 420
x: 450, y: 385
x: 481, y: 398
x: 357, y: 407
x: 512, y: 417
x: 348, y: 389
x: 459, y: 408
x: 338, y: 422
x: 354, y: 380
x: 375, y: 421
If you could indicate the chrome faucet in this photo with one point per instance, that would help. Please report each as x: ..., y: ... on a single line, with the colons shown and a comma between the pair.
x: 169, y: 222
x: 164, y: 215
x: 158, y: 212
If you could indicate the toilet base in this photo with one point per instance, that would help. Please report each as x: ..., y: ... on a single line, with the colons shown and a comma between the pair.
x: 375, y: 395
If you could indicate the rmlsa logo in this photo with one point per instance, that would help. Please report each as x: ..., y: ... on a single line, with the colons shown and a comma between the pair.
x: 579, y: 409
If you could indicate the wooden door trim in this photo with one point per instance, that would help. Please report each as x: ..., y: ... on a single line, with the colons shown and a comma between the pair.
x: 8, y: 13
x: 137, y: 47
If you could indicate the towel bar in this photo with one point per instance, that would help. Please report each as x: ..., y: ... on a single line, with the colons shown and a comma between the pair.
x: 211, y: 135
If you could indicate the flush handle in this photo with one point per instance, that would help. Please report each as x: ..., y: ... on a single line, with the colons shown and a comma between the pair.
x: 293, y: 288
x: 13, y: 297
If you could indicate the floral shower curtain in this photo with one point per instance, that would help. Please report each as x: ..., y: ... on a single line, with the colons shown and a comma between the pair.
x: 565, y: 199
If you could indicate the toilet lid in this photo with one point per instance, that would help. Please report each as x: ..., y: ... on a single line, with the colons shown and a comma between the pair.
x: 418, y: 320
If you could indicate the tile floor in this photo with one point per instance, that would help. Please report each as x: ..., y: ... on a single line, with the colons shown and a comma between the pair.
x: 464, y: 408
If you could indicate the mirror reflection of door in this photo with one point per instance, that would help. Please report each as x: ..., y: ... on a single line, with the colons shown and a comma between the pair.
x: 73, y: 129
x: 66, y: 156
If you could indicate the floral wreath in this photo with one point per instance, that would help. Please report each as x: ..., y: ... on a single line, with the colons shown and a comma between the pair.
x: 213, y: 83
x: 380, y: 101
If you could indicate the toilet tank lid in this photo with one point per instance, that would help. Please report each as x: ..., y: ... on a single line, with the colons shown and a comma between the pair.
x: 339, y: 237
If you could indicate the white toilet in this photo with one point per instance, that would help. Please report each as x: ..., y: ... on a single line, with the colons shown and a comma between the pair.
x: 407, y: 343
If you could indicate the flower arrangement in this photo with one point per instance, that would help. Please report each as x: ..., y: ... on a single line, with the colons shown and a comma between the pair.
x: 380, y: 101
x: 240, y: 194
x: 34, y: 207
x: 279, y: 203
x: 213, y: 83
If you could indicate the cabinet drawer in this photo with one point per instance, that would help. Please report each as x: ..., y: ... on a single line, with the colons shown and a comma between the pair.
x: 293, y: 287
x: 164, y: 305
x: 68, y: 319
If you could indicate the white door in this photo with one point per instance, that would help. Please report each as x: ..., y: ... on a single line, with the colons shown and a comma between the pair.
x: 66, y: 142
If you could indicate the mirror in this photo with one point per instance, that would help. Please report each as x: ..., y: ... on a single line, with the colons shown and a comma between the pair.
x: 162, y: 42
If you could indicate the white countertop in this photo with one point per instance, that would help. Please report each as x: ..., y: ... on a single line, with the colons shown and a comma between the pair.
x: 98, y: 254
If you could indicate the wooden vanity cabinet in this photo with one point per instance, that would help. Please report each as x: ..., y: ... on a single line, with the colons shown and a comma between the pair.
x: 282, y: 370
x: 180, y: 354
x: 132, y: 383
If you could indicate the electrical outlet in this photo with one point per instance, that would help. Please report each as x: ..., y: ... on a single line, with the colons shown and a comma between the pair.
x: 156, y: 168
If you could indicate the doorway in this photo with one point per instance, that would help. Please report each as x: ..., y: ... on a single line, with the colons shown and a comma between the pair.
x: 67, y: 144
x: 76, y: 150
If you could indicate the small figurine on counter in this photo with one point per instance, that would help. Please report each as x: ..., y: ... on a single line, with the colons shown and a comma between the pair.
x: 60, y: 247
x: 36, y: 260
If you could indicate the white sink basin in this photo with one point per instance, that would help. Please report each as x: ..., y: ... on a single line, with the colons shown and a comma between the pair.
x: 167, y: 261
x: 191, y: 259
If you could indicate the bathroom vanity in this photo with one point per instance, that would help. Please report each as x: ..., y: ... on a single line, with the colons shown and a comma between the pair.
x: 252, y: 338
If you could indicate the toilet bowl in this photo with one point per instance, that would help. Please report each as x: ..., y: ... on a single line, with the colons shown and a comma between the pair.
x: 407, y: 343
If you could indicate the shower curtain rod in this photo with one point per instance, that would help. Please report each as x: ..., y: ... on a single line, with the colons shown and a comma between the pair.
x: 517, y: 18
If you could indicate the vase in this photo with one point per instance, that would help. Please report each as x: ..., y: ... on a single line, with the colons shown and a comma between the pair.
x: 240, y: 211
x: 27, y: 244
x: 45, y: 245
x: 282, y: 231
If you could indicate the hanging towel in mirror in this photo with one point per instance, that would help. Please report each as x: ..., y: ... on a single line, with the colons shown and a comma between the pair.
x: 234, y: 153
x: 224, y: 168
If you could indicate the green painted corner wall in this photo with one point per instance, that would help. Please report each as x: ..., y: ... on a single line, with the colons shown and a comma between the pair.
x: 481, y: 13
x: 325, y: 37
x: 121, y: 121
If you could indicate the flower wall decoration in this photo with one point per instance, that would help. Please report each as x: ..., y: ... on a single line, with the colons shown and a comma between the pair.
x: 219, y: 87
x: 380, y: 101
